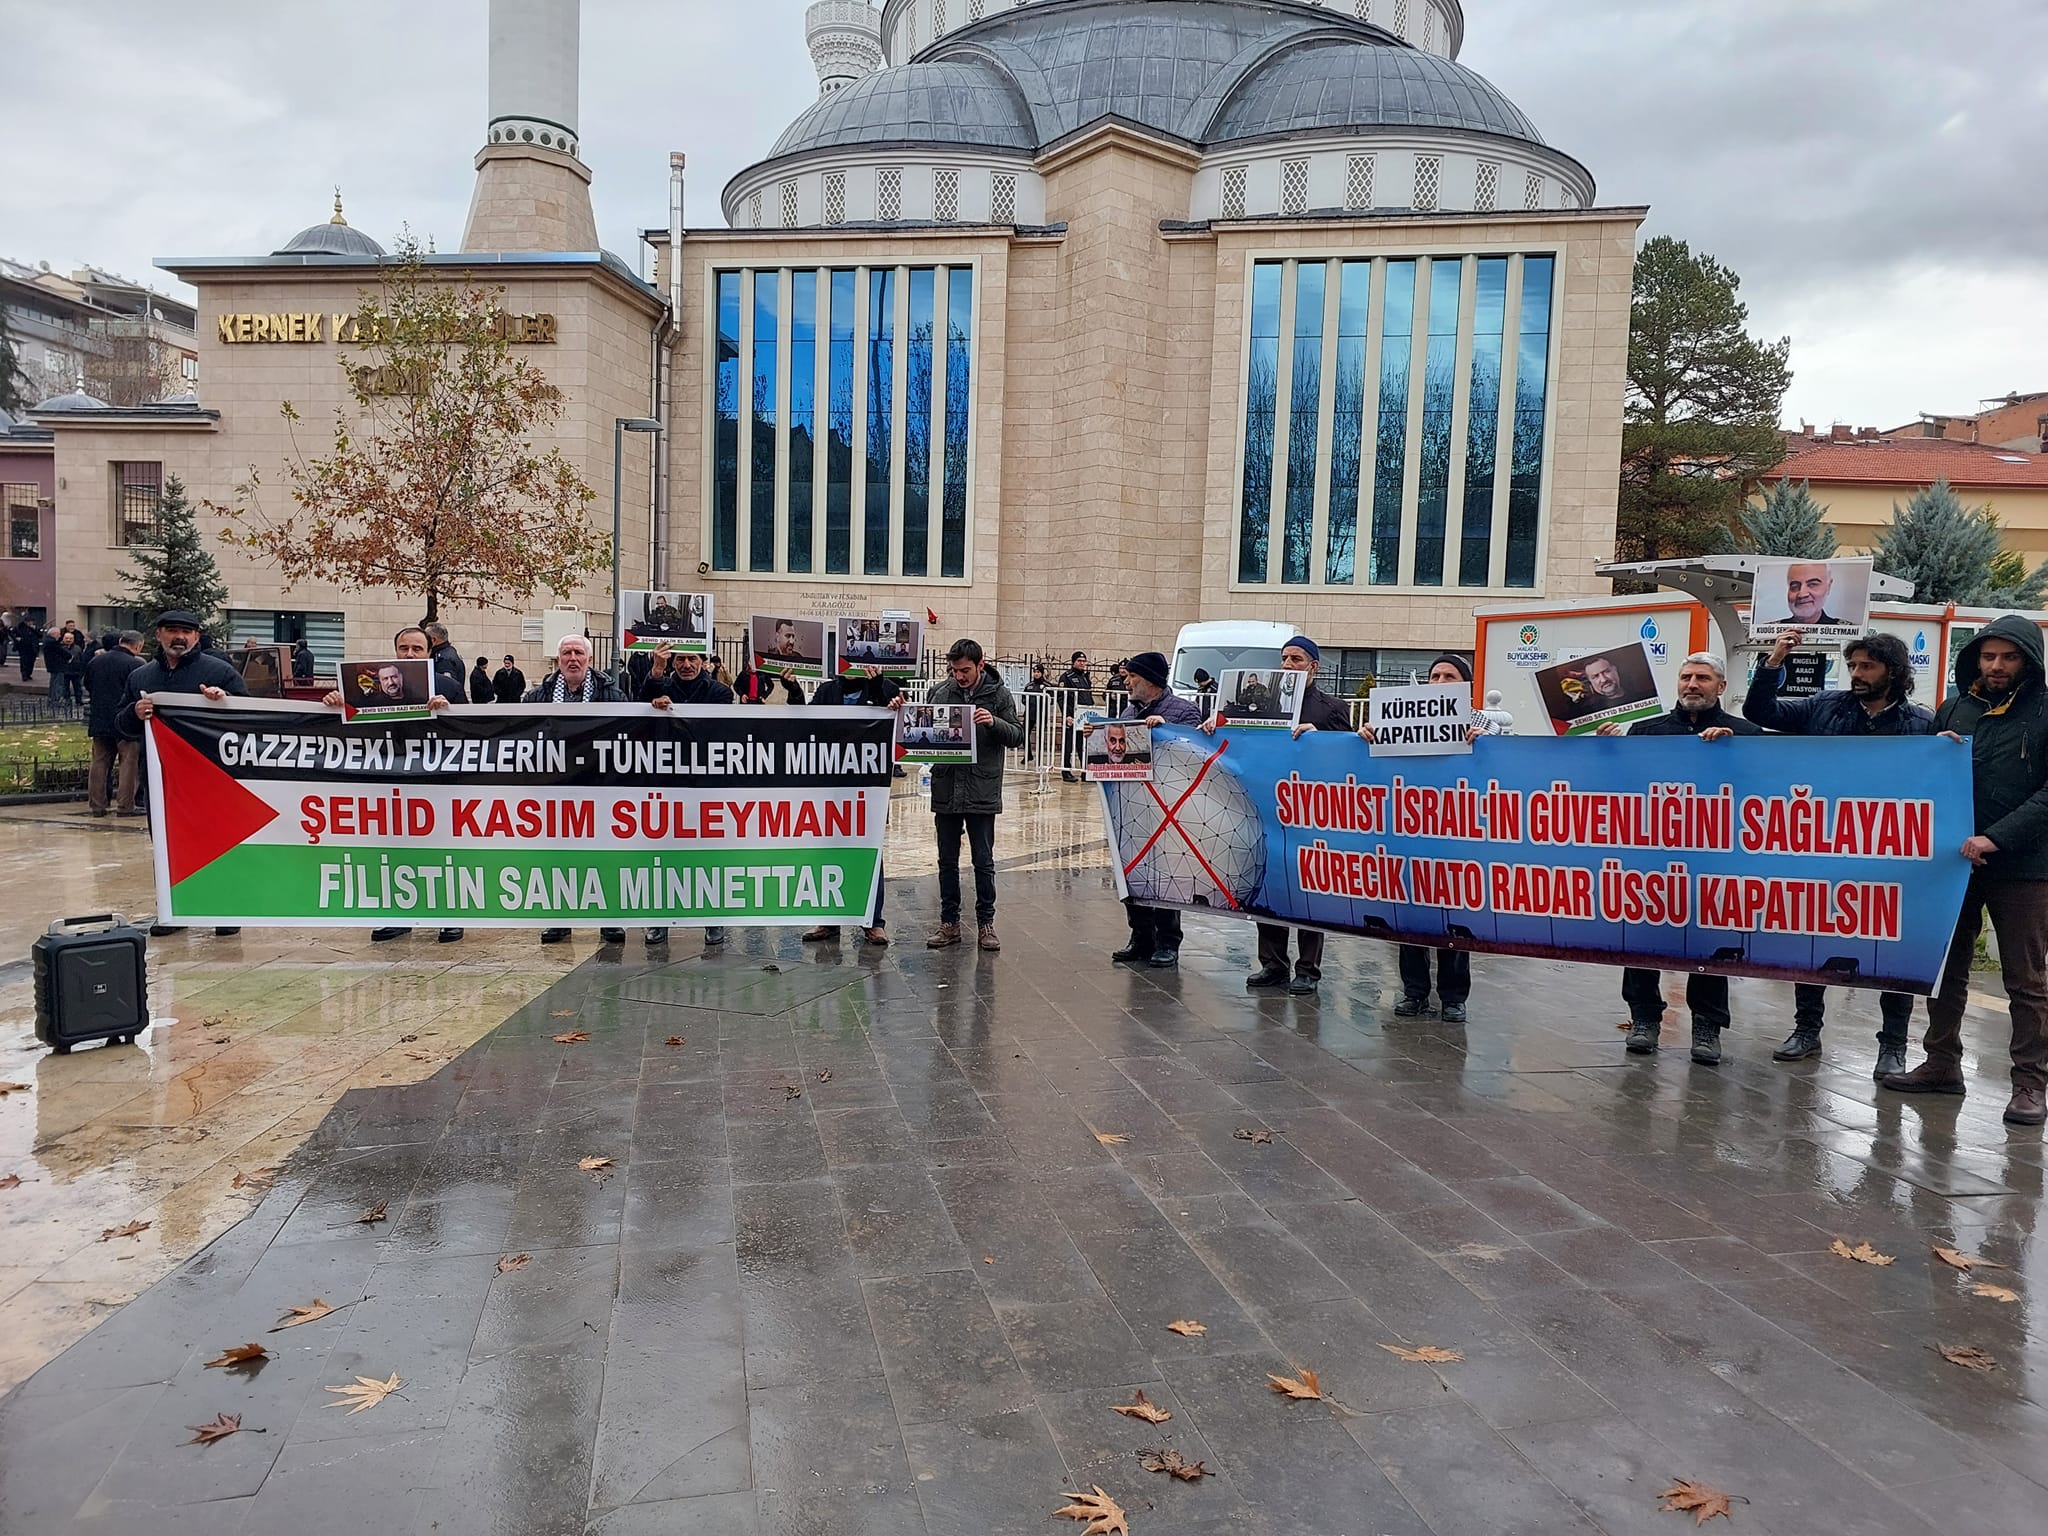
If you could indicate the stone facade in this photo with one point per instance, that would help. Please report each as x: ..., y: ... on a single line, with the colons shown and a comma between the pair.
x: 529, y: 199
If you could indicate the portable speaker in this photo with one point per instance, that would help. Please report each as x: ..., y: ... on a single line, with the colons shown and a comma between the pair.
x: 91, y: 983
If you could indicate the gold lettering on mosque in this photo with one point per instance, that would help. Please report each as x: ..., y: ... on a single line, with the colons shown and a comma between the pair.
x: 348, y: 330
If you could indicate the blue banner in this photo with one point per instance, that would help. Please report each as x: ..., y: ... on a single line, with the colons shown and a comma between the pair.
x: 1827, y: 860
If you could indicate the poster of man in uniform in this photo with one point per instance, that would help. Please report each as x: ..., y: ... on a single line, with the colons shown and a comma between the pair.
x: 385, y: 688
x: 1583, y: 694
x: 935, y: 733
x: 1821, y: 599
x: 783, y: 644
x: 892, y: 646
x: 683, y: 619
x: 1119, y: 749
x: 1261, y: 699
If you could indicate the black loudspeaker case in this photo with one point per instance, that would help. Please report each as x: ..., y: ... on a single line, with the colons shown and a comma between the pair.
x: 91, y: 981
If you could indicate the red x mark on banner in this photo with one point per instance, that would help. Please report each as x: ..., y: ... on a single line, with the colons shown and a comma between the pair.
x: 1171, y: 814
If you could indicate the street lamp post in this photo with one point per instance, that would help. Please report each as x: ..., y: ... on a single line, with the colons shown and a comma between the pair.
x: 620, y: 427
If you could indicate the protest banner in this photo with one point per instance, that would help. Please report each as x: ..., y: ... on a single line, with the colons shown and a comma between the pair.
x: 1420, y: 719
x: 1833, y: 861
x: 1583, y: 693
x: 517, y: 816
x: 797, y: 647
x: 681, y: 620
x: 1262, y: 700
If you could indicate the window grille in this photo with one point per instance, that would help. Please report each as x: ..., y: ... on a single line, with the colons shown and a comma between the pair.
x: 1002, y: 198
x: 910, y: 28
x: 1429, y: 29
x: 945, y: 195
x: 1233, y: 192
x: 1401, y: 18
x: 138, y: 490
x: 24, y: 522
x: 1486, y: 192
x: 1532, y: 193
x: 788, y: 204
x: 1570, y: 199
x: 1364, y: 9
x: 754, y: 210
x: 1294, y: 186
x: 889, y: 192
x: 975, y: 8
x: 1358, y: 181
x: 835, y: 197
x: 1429, y: 175
x: 938, y: 18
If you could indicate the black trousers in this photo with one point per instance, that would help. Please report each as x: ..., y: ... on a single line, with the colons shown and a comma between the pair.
x: 1809, y: 1012
x: 2018, y: 910
x: 1273, y: 950
x: 981, y: 846
x: 1706, y: 996
x: 1453, y: 973
x: 1153, y: 928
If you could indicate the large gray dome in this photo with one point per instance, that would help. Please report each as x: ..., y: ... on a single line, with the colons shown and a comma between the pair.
x: 1336, y: 83
x: 334, y: 238
x: 946, y: 103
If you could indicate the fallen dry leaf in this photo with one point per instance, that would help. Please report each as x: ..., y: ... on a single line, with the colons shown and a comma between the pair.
x: 1151, y: 1413
x: 133, y: 1229
x: 1245, y: 1135
x: 420, y: 1055
x: 1966, y: 1262
x: 825, y: 1076
x: 593, y: 1164
x: 298, y: 1315
x: 512, y: 1261
x: 673, y: 1040
x: 1187, y: 1327
x: 223, y: 1040
x: 241, y: 1357
x: 373, y: 1215
x: 790, y: 1092
x: 12, y: 1181
x: 256, y: 1178
x: 988, y: 1258
x: 1862, y: 1253
x: 1170, y: 1460
x: 223, y: 1425
x: 407, y: 1039
x: 1104, y: 1515
x: 7, y: 1088
x: 1111, y: 1138
x: 573, y: 1037
x: 1968, y: 1356
x: 563, y: 1013
x: 1306, y: 1388
x: 1994, y: 1292
x: 1429, y: 1354
x: 367, y: 1392
x: 1695, y: 1499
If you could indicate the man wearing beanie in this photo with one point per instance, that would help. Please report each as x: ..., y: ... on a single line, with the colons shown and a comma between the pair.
x: 1155, y: 931
x: 1319, y: 712
x: 1079, y: 689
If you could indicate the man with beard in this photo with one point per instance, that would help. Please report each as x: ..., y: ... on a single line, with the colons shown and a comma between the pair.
x: 2000, y: 704
x: 1807, y: 585
x: 508, y: 683
x: 868, y: 687
x: 1876, y: 703
x: 679, y: 677
x: 1702, y: 680
x: 180, y: 667
x: 576, y: 681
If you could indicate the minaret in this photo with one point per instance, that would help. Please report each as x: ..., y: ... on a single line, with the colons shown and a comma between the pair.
x: 845, y: 39
x: 532, y: 190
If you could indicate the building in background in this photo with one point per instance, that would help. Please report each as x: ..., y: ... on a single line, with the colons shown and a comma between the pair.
x: 2007, y: 421
x: 115, y: 339
x: 28, y: 506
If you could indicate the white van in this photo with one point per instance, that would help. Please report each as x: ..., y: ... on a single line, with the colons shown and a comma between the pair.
x: 1226, y: 645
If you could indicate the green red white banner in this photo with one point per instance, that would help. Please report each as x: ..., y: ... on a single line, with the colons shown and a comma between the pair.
x: 534, y: 816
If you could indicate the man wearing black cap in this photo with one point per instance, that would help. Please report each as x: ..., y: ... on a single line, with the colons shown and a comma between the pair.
x: 180, y: 667
x: 1155, y: 931
x: 1079, y: 689
x: 1319, y: 712
x: 508, y: 682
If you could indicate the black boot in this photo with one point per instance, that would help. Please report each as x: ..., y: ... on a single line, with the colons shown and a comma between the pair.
x: 1265, y: 980
x: 1642, y: 1037
x: 1799, y: 1045
x: 1890, y: 1059
x: 1130, y: 954
x: 1706, y: 1044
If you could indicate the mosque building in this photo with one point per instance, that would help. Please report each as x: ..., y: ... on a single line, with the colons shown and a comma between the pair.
x: 1071, y: 321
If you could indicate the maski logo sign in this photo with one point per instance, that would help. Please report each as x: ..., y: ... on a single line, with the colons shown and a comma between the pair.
x: 1922, y: 657
x: 1659, y: 651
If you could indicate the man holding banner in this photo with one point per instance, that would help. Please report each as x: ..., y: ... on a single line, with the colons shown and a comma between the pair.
x: 967, y: 797
x: 1702, y: 680
x: 577, y: 682
x: 1155, y: 931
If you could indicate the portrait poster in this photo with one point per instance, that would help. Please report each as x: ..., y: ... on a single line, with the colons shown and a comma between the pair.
x: 1583, y: 694
x: 1262, y: 699
x: 935, y: 733
x: 1420, y: 719
x: 265, y: 669
x: 385, y: 688
x: 682, y: 619
x: 1119, y: 750
x: 1820, y: 599
x: 781, y: 643
x: 894, y: 646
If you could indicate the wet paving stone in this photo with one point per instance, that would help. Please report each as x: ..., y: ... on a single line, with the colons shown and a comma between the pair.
x: 906, y: 1297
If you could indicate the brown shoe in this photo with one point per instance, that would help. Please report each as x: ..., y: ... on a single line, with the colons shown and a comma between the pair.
x: 877, y: 935
x: 821, y: 933
x: 1927, y: 1078
x: 989, y: 941
x: 2028, y: 1107
x: 945, y: 936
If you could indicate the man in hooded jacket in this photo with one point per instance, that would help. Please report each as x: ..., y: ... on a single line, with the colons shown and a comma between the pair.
x: 2001, y: 704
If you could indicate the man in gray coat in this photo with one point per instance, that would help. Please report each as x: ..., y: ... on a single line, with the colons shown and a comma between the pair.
x: 967, y: 797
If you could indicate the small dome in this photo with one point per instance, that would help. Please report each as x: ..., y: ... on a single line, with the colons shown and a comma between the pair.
x: 72, y: 400
x: 954, y: 103
x: 334, y: 238
x: 183, y: 397
x: 1338, y: 83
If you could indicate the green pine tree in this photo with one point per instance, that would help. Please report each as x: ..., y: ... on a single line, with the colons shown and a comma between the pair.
x: 1787, y: 522
x: 176, y: 571
x: 1951, y: 554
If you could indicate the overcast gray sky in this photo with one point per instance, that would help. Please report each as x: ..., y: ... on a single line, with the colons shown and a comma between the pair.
x: 1872, y: 168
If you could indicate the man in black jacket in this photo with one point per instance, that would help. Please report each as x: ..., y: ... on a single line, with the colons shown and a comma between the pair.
x: 106, y: 679
x: 967, y: 797
x: 2001, y: 705
x: 1877, y: 702
x: 868, y: 687
x: 1702, y: 680
x: 576, y: 681
x: 1078, y: 690
x: 509, y: 683
x: 450, y: 681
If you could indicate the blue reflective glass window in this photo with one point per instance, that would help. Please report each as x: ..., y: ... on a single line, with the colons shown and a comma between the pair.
x: 839, y: 429
x: 1390, y: 445
x: 761, y: 460
x: 1482, y: 434
x: 1532, y: 384
x: 959, y: 343
x: 1304, y: 402
x: 803, y: 414
x: 1261, y: 384
x: 1439, y: 387
x: 881, y: 401
x: 917, y: 425
x: 1347, y: 426
x: 725, y: 428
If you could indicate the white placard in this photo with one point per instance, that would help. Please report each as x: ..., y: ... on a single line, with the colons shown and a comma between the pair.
x: 1420, y: 719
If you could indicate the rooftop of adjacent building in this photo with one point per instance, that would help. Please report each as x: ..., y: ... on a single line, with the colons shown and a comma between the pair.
x: 88, y: 294
x: 1866, y: 456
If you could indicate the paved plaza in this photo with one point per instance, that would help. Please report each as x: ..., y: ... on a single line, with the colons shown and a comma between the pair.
x: 881, y: 1237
